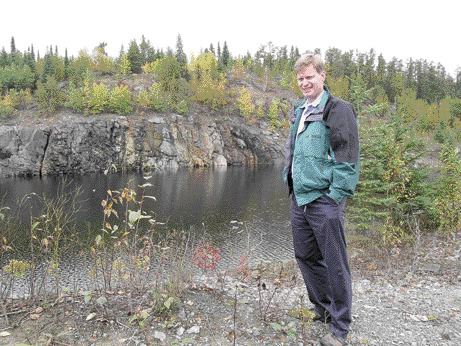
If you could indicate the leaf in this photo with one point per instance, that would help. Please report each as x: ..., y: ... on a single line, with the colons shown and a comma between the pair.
x: 109, y: 192
x: 98, y: 239
x: 275, y: 326
x: 167, y: 303
x: 144, y: 314
x: 91, y: 316
x: 151, y: 197
x: 101, y: 300
x: 34, y: 225
x: 147, y: 177
x: 3, y: 334
x: 87, y: 296
x: 133, y: 216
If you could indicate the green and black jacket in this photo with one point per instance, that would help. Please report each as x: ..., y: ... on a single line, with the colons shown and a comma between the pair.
x: 324, y: 157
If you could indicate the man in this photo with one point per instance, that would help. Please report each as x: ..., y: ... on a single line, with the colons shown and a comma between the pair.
x: 322, y: 168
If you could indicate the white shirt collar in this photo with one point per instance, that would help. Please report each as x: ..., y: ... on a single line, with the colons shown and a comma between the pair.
x: 314, y: 103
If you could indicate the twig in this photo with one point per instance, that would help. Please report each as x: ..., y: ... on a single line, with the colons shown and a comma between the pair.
x: 14, y: 312
x: 235, y: 315
x: 123, y: 325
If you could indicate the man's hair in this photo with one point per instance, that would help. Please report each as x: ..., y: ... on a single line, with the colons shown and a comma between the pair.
x: 309, y: 59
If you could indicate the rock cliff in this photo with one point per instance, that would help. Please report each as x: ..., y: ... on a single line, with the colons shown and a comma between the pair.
x: 78, y: 144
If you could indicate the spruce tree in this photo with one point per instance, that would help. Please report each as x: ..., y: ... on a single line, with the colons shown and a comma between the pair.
x: 225, y: 57
x: 4, y: 58
x: 12, y: 46
x: 66, y: 64
x: 181, y: 57
x: 144, y: 48
x: 135, y: 58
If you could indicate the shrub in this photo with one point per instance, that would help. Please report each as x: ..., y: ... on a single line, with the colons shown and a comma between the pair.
x: 78, y: 68
x: 98, y: 99
x: 182, y: 107
x: 101, y: 62
x: 155, y: 98
x: 448, y: 197
x: 48, y: 95
x: 16, y: 77
x: 273, y: 114
x: 120, y: 100
x: 124, y: 65
x: 75, y: 98
x: 20, y: 98
x: 6, y: 105
x: 245, y: 103
x: 392, y: 190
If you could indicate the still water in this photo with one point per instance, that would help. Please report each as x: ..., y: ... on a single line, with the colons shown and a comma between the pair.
x: 236, y: 207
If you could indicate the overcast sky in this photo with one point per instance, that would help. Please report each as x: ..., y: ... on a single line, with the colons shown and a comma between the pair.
x: 418, y: 29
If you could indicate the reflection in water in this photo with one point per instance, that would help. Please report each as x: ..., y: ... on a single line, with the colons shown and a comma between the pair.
x: 239, y: 208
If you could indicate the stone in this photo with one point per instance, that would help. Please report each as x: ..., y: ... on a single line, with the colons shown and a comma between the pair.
x: 193, y: 330
x: 77, y: 144
x: 159, y: 336
x: 219, y: 160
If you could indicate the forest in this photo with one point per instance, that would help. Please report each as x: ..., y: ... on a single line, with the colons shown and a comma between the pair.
x: 409, y: 112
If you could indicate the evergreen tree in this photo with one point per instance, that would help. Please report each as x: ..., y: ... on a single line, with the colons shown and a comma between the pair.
x: 211, y: 49
x: 135, y: 58
x: 32, y: 52
x: 410, y: 75
x: 144, y: 48
x: 381, y: 70
x: 66, y: 64
x: 225, y: 56
x: 181, y: 57
x: 369, y: 68
x: 48, y: 68
x: 4, y: 58
x: 219, y: 52
x: 12, y: 46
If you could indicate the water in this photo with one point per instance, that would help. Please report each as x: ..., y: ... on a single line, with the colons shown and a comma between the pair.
x: 237, y: 208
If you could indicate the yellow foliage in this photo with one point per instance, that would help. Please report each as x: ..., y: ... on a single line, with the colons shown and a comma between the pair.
x: 238, y: 69
x: 245, y: 103
x: 339, y: 87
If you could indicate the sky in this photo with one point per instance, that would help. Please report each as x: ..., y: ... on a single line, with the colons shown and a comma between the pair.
x: 419, y: 29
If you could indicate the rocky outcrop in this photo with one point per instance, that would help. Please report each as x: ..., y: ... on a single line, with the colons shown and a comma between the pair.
x: 77, y: 144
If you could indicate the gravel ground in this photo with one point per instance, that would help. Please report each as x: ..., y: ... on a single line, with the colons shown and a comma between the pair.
x: 401, y: 297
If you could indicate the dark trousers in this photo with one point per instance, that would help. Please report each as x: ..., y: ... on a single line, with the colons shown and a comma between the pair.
x: 320, y: 249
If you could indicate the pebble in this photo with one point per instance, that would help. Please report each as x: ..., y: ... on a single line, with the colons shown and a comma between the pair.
x: 159, y: 336
x: 193, y: 330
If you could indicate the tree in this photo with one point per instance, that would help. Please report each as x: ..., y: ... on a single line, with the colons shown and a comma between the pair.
x: 48, y: 68
x: 124, y: 65
x: 144, y: 48
x: 225, y: 57
x: 455, y: 113
x: 66, y: 64
x: 134, y: 56
x: 12, y: 46
x: 181, y: 57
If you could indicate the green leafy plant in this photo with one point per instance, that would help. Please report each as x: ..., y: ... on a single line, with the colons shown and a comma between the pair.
x: 120, y: 100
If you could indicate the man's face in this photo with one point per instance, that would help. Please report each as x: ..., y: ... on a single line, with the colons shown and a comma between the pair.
x: 310, y: 82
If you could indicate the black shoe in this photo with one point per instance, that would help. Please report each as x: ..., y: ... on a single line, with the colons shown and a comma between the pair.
x: 332, y: 340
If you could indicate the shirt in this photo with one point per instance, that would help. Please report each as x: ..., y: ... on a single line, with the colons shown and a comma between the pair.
x: 308, y: 108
